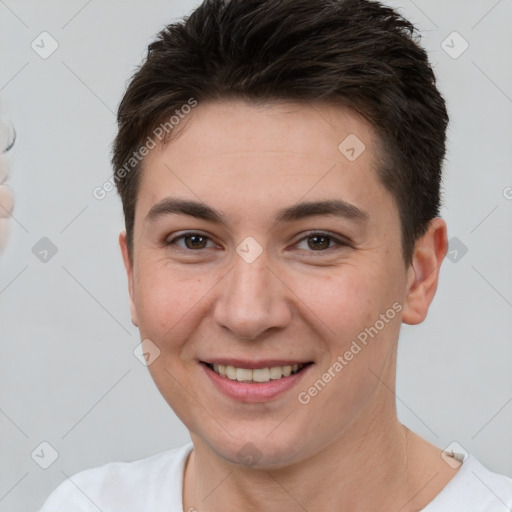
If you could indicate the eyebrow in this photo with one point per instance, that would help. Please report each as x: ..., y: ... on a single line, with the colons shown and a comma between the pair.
x: 335, y: 207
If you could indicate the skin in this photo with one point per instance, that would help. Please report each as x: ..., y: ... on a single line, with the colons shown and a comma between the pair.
x: 6, y: 203
x: 294, y: 301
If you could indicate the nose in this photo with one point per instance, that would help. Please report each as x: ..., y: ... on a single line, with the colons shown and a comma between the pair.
x: 253, y: 299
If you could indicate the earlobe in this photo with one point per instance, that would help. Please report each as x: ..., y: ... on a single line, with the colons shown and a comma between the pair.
x: 423, y: 273
x: 129, y: 273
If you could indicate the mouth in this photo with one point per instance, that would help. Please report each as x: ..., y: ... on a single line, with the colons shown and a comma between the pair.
x: 256, y: 375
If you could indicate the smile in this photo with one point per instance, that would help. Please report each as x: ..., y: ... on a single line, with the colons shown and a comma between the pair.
x: 256, y: 375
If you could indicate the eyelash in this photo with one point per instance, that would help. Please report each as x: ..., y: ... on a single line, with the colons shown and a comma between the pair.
x: 339, y: 243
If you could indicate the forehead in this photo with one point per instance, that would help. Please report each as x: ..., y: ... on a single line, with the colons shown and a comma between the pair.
x: 239, y: 155
x: 309, y: 130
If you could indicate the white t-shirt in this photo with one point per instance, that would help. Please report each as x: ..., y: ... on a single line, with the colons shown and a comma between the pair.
x: 154, y: 484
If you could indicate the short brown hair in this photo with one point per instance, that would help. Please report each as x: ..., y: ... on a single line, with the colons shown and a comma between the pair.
x: 358, y: 53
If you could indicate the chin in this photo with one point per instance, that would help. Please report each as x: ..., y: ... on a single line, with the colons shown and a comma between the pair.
x: 259, y: 450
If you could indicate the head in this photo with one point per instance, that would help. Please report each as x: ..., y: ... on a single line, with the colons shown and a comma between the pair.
x: 271, y: 125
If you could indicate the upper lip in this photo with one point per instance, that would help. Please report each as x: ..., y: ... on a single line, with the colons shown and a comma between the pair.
x: 252, y: 364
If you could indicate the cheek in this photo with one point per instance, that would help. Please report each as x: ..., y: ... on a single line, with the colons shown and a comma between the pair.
x: 346, y: 307
x: 342, y: 298
x: 166, y: 299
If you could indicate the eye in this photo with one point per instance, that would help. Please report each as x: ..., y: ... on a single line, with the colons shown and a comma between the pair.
x: 315, y: 242
x: 192, y: 241
x: 321, y: 242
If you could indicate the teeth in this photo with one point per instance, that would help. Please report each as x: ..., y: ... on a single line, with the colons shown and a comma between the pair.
x: 276, y: 372
x: 230, y: 372
x: 256, y: 375
x: 261, y: 375
x: 243, y: 374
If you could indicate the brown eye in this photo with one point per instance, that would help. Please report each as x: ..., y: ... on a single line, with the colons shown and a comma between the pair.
x: 321, y: 242
x: 195, y: 241
x: 318, y: 242
x: 192, y: 241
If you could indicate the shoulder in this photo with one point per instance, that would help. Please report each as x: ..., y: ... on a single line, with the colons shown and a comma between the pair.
x: 124, y: 486
x: 475, y: 488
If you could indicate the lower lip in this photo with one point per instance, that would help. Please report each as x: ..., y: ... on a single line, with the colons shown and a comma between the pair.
x: 254, y: 391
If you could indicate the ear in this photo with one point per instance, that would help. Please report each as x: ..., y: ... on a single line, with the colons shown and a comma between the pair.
x: 423, y: 273
x: 129, y: 272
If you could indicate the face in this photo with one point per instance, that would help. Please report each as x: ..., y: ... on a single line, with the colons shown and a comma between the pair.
x: 292, y: 251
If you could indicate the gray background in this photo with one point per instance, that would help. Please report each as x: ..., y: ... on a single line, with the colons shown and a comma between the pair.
x: 68, y: 375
